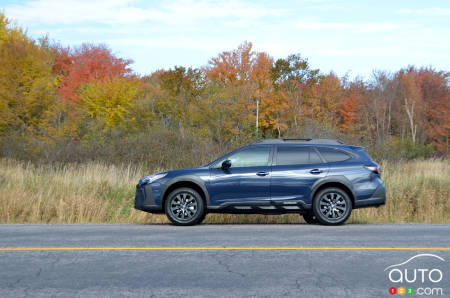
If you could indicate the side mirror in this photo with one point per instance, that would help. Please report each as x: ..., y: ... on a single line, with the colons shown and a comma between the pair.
x: 226, y: 164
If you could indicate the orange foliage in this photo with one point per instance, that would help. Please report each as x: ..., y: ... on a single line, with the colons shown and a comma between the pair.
x: 233, y: 67
x: 349, y: 110
x: 435, y: 94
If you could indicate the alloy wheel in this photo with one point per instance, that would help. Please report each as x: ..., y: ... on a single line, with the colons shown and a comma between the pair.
x: 333, y: 206
x: 183, y: 206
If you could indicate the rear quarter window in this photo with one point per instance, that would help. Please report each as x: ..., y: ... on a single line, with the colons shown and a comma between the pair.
x: 333, y: 155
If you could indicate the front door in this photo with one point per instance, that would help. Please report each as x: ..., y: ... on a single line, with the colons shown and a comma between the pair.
x: 246, y: 181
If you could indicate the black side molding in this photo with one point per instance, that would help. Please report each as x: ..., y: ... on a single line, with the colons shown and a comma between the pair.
x: 261, y: 207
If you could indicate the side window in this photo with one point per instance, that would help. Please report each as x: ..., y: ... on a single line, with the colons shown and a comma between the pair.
x: 296, y: 156
x: 333, y: 155
x: 251, y: 157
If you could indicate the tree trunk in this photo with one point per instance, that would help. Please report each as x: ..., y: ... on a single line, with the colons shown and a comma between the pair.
x: 257, y: 115
x: 278, y: 129
x: 410, y: 113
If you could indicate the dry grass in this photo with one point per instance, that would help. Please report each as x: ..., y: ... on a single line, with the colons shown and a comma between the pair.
x: 418, y: 191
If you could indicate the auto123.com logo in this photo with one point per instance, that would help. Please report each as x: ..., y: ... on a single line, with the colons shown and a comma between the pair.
x: 412, y: 277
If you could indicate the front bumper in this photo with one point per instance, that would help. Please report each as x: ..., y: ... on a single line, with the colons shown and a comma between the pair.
x: 377, y: 199
x: 144, y: 199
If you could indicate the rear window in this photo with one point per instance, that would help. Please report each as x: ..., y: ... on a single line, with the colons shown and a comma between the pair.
x: 333, y: 155
x: 297, y: 156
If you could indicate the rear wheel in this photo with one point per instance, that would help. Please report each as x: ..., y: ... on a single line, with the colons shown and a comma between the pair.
x: 184, y: 207
x: 332, y: 206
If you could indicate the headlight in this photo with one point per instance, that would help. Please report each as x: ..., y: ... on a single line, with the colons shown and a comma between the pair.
x: 151, y: 178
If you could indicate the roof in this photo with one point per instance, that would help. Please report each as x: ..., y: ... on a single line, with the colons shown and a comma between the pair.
x: 301, y: 141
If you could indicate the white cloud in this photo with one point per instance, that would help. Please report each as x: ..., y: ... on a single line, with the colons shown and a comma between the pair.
x: 125, y: 11
x: 188, y: 31
x: 80, y: 12
x: 203, y: 44
x: 432, y: 11
x: 364, y: 52
x: 368, y: 27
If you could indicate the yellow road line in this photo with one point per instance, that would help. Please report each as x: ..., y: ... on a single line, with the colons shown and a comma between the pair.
x: 218, y: 248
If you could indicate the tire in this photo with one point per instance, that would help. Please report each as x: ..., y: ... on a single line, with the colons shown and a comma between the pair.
x: 184, y: 207
x: 332, y: 206
x: 310, y: 218
x: 202, y: 218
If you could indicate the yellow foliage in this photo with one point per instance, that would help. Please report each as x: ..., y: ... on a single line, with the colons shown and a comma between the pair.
x: 26, y: 89
x: 109, y: 101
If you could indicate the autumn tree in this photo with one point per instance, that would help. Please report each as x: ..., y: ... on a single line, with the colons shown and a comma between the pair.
x: 244, y: 73
x: 85, y: 64
x: 231, y: 70
x: 267, y: 106
x: 409, y: 103
x: 350, y: 109
x: 326, y: 96
x: 109, y: 102
x: 76, y: 68
x: 50, y: 95
x: 381, y: 105
x: 293, y: 78
x: 183, y: 88
x: 435, y: 91
x: 27, y: 82
x: 216, y: 113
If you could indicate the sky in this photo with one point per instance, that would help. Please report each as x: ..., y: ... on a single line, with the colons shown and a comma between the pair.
x: 344, y: 36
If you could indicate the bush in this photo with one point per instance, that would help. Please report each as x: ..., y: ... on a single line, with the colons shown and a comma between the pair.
x: 153, y: 149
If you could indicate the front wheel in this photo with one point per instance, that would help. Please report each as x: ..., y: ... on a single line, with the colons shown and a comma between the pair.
x: 332, y: 206
x: 184, y: 207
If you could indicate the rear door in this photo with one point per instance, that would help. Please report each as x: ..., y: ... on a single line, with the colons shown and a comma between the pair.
x: 294, y: 171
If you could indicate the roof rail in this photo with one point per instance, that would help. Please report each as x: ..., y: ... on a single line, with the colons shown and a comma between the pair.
x: 301, y: 141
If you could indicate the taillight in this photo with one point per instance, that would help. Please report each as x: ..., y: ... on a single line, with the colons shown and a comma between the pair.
x: 374, y: 169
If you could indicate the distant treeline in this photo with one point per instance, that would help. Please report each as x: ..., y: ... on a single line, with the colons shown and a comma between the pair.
x: 74, y: 104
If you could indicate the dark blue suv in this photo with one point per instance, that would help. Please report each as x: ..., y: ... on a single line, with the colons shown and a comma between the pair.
x: 322, y: 179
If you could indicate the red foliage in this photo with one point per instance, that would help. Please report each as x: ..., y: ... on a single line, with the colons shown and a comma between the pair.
x: 85, y: 64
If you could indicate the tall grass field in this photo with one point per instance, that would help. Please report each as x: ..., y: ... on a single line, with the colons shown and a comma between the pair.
x: 417, y: 192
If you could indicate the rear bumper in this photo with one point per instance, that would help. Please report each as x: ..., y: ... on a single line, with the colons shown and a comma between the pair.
x: 143, y: 200
x: 377, y: 199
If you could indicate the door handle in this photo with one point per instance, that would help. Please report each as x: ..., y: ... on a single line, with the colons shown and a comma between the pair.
x: 262, y: 173
x: 315, y: 171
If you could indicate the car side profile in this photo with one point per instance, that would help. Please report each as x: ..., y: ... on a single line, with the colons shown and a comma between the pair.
x: 321, y: 179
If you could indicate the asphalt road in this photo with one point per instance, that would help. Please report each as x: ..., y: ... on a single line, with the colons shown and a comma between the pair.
x: 258, y: 260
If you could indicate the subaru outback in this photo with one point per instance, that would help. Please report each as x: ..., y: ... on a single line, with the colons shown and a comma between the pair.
x: 321, y: 179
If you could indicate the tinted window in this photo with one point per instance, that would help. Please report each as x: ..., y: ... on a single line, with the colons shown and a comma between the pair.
x: 251, y: 157
x: 297, y: 156
x: 333, y: 155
